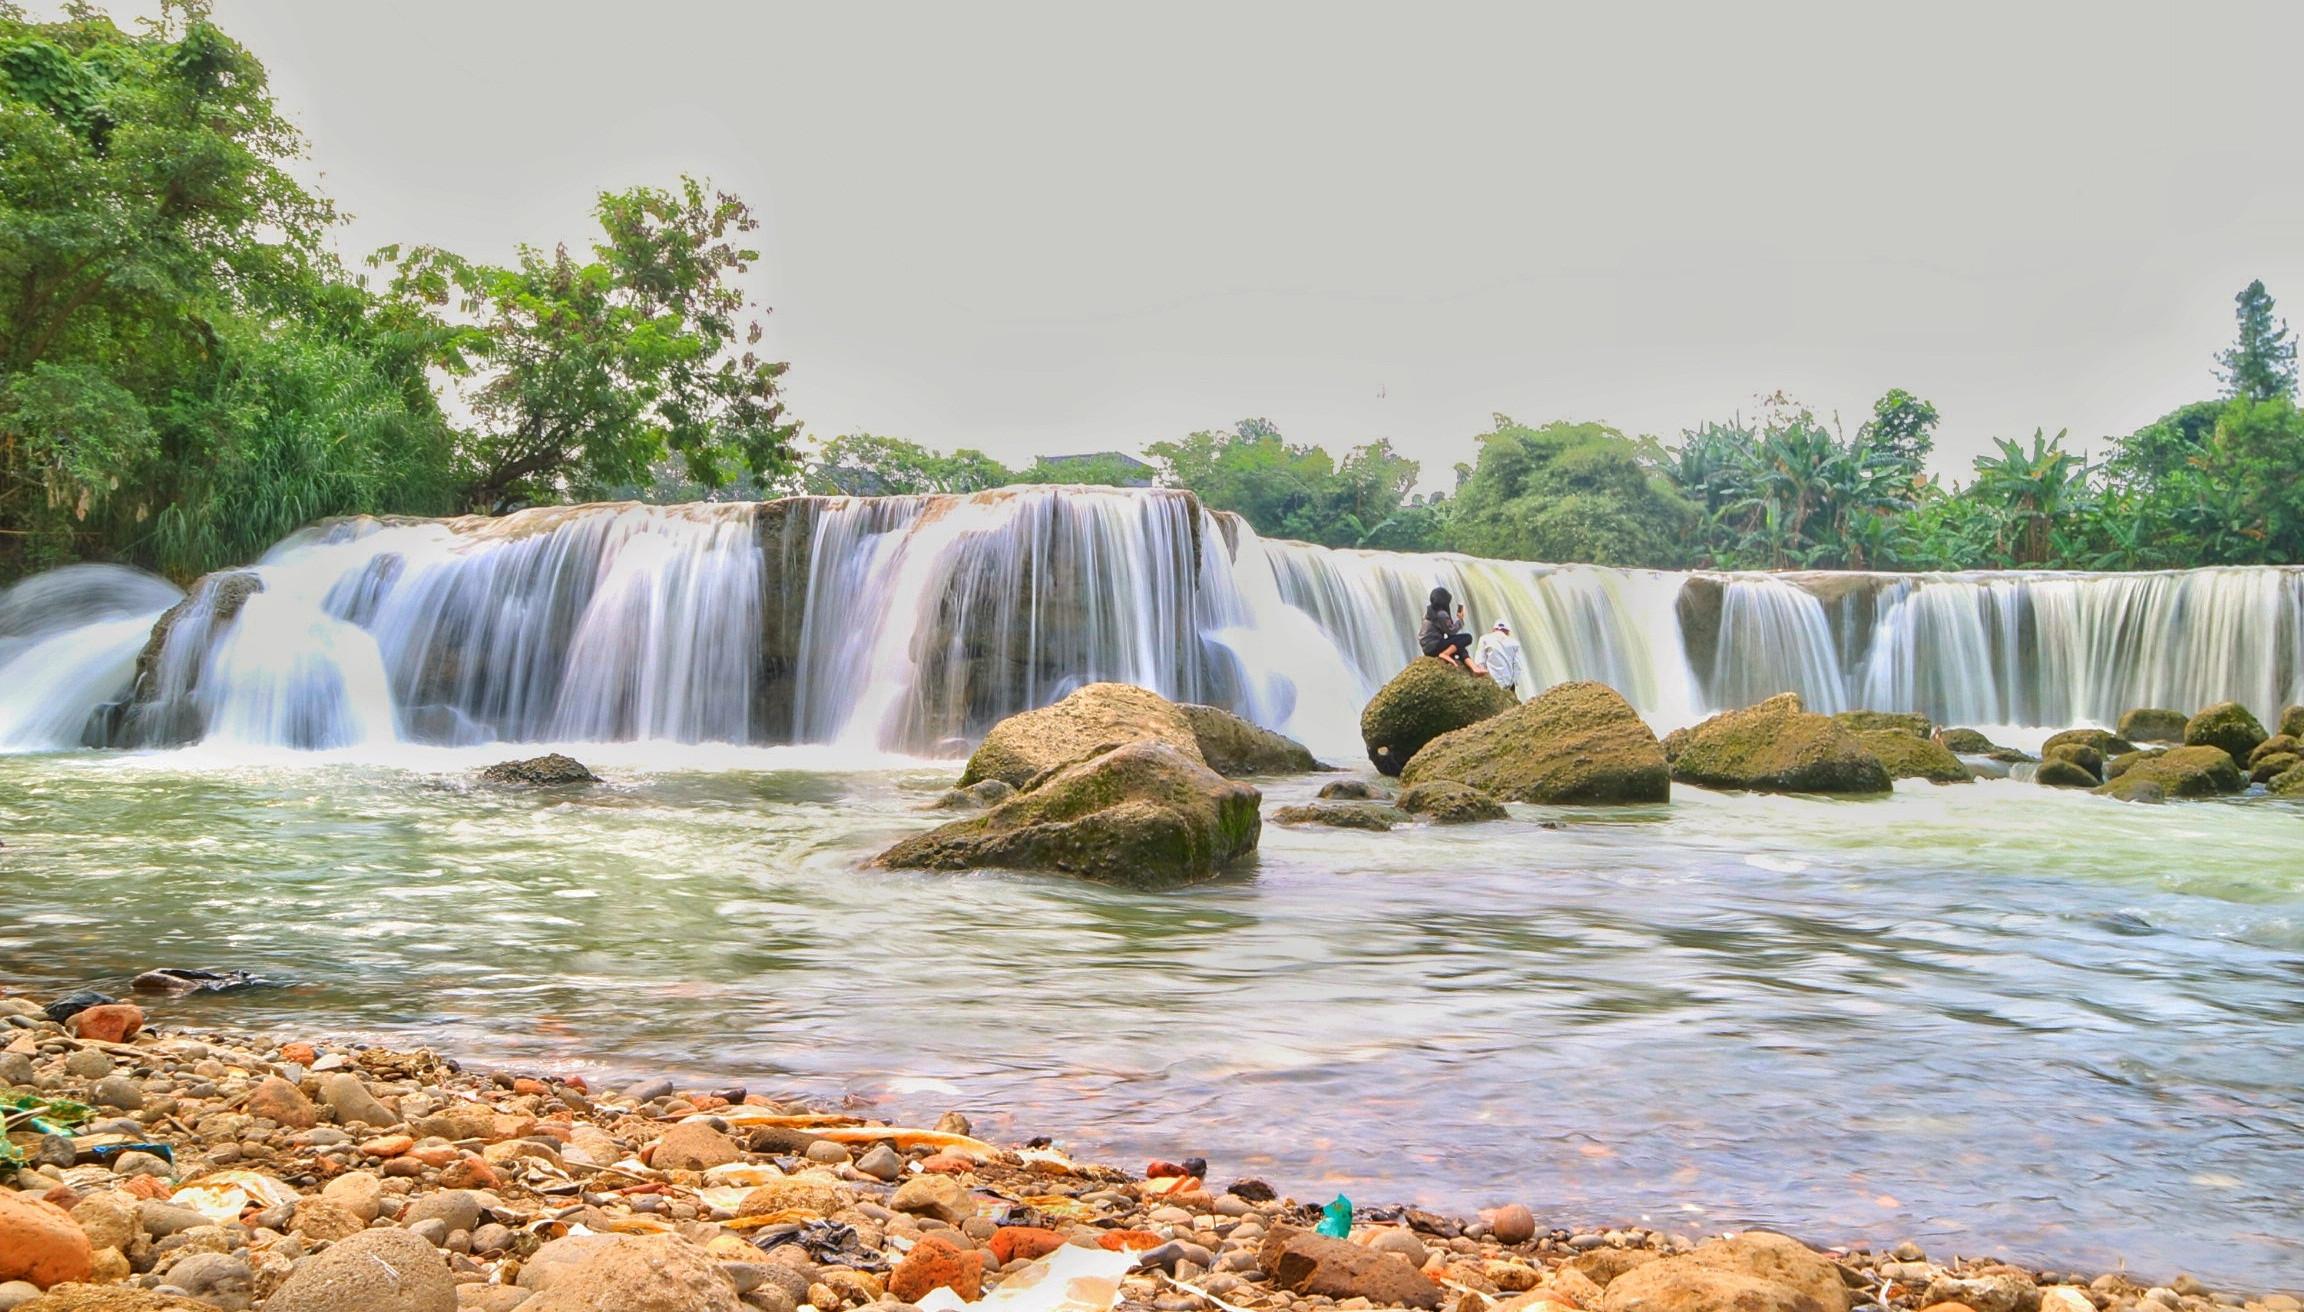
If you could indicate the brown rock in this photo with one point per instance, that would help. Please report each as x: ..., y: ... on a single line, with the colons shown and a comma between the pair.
x: 1751, y: 1272
x: 1510, y: 1224
x: 694, y: 1146
x: 818, y: 1195
x: 1601, y: 1266
x: 283, y: 1103
x: 110, y: 1298
x: 116, y: 1022
x: 390, y: 1145
x: 630, y: 1273
x: 325, y: 1222
x: 1307, y: 1263
x: 936, y: 1263
x: 469, y: 1172
x: 300, y: 1053
x: 939, y: 1196
x: 39, y: 1242
x: 1028, y: 1242
x: 110, y: 1220
x: 380, y: 1270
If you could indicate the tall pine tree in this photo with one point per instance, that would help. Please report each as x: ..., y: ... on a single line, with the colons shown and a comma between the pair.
x: 2262, y: 363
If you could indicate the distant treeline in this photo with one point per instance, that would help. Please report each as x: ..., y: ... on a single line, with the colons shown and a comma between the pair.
x: 188, y: 372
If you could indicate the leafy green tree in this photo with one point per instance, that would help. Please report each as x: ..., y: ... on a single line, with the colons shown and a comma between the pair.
x: 2259, y: 453
x: 865, y: 464
x: 2261, y: 363
x: 582, y: 374
x: 2165, y: 449
x: 1902, y: 430
x: 2034, y: 489
x: 1569, y: 492
x: 1302, y: 492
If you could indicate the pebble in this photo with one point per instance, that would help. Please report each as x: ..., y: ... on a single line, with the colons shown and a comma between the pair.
x: 881, y: 1163
x: 117, y: 1092
x: 88, y: 1064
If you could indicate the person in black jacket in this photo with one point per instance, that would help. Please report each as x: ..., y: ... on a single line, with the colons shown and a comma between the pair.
x: 1444, y: 634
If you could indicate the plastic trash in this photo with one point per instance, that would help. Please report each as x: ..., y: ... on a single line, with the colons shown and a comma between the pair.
x: 1336, y: 1219
x: 1071, y: 1279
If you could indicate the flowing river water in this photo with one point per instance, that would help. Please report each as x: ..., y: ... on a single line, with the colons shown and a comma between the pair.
x: 1993, y: 1017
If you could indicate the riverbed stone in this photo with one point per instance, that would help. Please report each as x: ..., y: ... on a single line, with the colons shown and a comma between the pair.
x: 347, y: 1095
x: 1144, y: 815
x: 1303, y: 1262
x: 2188, y: 772
x: 282, y: 1103
x: 1911, y: 756
x: 1378, y: 817
x: 114, y: 1022
x: 938, y: 1196
x: 2289, y: 784
x: 1912, y: 724
x: 2153, y: 724
x: 2226, y: 725
x: 2134, y: 788
x: 694, y: 1146
x: 633, y: 1273
x: 1575, y: 743
x: 1755, y: 1271
x: 2126, y: 761
x: 551, y: 770
x: 2107, y: 743
x: 1233, y: 747
x: 380, y: 1270
x: 1090, y: 720
x: 1444, y: 802
x: 2080, y: 754
x: 39, y: 1243
x: 1429, y: 698
x: 1777, y: 746
x: 2062, y: 773
x: 937, y: 1263
x: 112, y: 1298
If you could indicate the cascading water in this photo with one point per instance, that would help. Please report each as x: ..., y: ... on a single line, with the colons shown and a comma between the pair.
x: 911, y: 624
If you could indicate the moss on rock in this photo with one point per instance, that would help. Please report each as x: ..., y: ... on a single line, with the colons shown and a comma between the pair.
x: 1910, y: 723
x: 1093, y: 718
x: 1233, y: 747
x: 1429, y: 698
x: 1377, y: 816
x: 1146, y: 814
x: 2078, y: 753
x: 2126, y: 761
x: 2187, y: 772
x: 1572, y: 743
x: 2292, y: 721
x: 1908, y: 756
x: 1778, y: 746
x: 1445, y: 803
x: 2226, y: 725
x: 2107, y: 743
x: 2134, y: 788
x: 2153, y: 724
x: 2289, y: 783
x: 2058, y: 772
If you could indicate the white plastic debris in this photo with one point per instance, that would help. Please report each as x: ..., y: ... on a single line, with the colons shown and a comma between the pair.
x: 1071, y: 1279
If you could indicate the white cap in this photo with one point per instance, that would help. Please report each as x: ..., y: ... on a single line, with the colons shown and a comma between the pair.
x: 1502, y: 627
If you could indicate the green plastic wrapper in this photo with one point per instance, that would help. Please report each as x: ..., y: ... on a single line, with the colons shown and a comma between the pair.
x: 1336, y: 1219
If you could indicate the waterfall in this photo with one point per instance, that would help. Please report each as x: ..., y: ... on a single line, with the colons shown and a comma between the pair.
x: 911, y: 624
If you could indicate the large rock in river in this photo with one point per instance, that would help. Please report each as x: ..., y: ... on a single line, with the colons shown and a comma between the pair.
x: 2107, y: 743
x: 1909, y: 756
x: 2184, y: 772
x: 1100, y: 716
x: 1910, y: 723
x: 2292, y: 721
x: 2153, y: 724
x: 1146, y: 814
x: 1429, y: 698
x: 1572, y: 743
x: 1777, y: 746
x: 2228, y: 725
x: 1750, y: 1272
x: 548, y: 771
x: 1445, y: 803
x: 2288, y: 783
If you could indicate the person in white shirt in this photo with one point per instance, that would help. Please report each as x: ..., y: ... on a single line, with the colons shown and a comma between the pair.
x: 1500, y: 652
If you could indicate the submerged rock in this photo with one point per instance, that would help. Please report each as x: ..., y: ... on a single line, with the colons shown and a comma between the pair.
x: 178, y: 980
x: 1429, y: 698
x: 2153, y: 724
x: 1233, y: 747
x: 1349, y: 790
x: 1572, y: 743
x: 1967, y: 742
x: 539, y: 772
x: 1777, y: 746
x: 2063, y: 772
x: 2226, y: 725
x: 1909, y: 723
x: 1379, y: 817
x: 2134, y: 788
x: 1446, y: 803
x: 1145, y: 814
x: 1910, y: 756
x: 975, y: 797
x: 2184, y: 772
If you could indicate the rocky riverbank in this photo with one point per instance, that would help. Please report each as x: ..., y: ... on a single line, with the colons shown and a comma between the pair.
x: 175, y: 1170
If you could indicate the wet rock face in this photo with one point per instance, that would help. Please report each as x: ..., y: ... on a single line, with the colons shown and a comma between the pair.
x: 1023, y: 747
x: 2103, y: 741
x: 1233, y: 747
x: 1145, y: 815
x: 1572, y: 743
x: 2226, y: 725
x: 1377, y: 817
x: 2060, y: 772
x: 2153, y: 724
x: 552, y: 770
x: 1445, y: 803
x: 1429, y: 698
x: 2185, y: 772
x: 1910, y: 723
x: 1909, y: 757
x: 1775, y: 747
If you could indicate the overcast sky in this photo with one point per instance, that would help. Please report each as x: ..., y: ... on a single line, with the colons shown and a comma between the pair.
x: 1042, y: 229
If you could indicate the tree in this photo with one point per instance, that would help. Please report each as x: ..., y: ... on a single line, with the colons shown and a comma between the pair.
x: 2034, y: 489
x: 1301, y: 492
x: 582, y: 374
x: 2259, y: 454
x: 2261, y: 363
x: 865, y: 464
x: 1569, y: 492
x: 1902, y: 429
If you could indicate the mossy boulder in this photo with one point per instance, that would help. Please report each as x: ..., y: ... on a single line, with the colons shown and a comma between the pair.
x: 1145, y: 815
x: 2126, y: 761
x: 2153, y: 724
x: 1966, y: 742
x: 2187, y: 772
x: 2289, y: 783
x: 2107, y: 743
x: 2058, y: 772
x: 2226, y: 725
x: 1376, y: 816
x: 548, y: 771
x: 2267, y: 768
x: 1911, y: 723
x: 1349, y: 790
x: 1445, y: 803
x: 2292, y: 721
x: 2279, y: 744
x: 1093, y: 718
x: 1572, y: 743
x: 2078, y: 753
x: 1429, y: 698
x: 1909, y: 756
x: 1232, y: 747
x: 1778, y: 746
x: 2134, y: 788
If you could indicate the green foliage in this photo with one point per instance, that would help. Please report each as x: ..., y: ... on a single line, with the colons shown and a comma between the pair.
x: 2259, y: 452
x: 1569, y: 492
x: 2261, y: 363
x: 1301, y: 492
x: 2033, y: 489
x: 1902, y: 429
x: 1792, y: 493
x: 583, y: 374
x: 863, y: 464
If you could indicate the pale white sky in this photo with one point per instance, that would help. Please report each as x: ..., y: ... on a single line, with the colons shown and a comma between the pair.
x: 1062, y: 227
